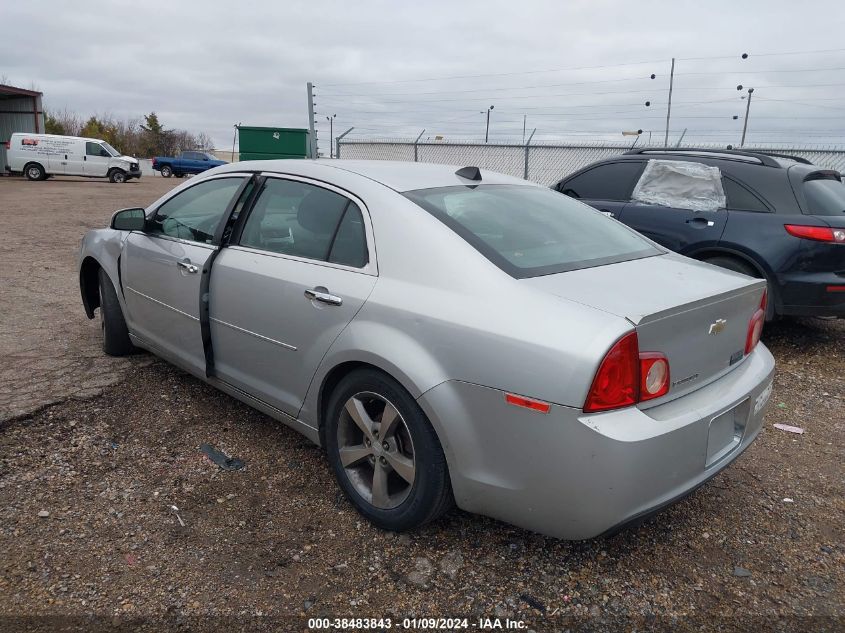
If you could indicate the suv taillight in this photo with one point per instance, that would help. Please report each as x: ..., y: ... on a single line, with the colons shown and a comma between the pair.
x: 626, y: 377
x: 817, y: 233
x: 8, y: 144
x: 755, y: 325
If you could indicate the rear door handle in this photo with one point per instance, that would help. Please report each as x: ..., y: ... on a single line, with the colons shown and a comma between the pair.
x: 701, y: 222
x: 187, y: 267
x: 322, y: 295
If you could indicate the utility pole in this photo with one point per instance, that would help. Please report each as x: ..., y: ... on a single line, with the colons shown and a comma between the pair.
x: 234, y: 138
x: 330, y: 119
x: 312, y: 132
x: 745, y: 123
x: 487, y: 131
x: 669, y: 105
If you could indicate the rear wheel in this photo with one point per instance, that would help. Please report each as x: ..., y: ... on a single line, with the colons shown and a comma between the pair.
x: 34, y: 171
x: 116, y: 340
x: 738, y: 266
x: 166, y: 171
x: 385, y: 453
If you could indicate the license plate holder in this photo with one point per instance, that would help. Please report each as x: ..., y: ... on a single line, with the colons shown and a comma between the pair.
x: 726, y: 431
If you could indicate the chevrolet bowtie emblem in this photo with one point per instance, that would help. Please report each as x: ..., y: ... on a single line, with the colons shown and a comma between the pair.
x: 717, y: 327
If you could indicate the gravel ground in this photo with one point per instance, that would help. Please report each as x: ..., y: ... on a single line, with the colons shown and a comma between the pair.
x: 89, y: 538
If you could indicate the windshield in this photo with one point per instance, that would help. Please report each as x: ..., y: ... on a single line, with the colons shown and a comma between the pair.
x: 532, y: 231
x: 110, y: 149
x: 825, y: 197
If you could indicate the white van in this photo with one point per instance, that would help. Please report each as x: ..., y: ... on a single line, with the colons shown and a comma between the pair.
x: 38, y: 156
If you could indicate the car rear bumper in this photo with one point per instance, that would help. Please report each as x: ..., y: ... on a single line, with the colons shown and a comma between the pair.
x: 813, y: 294
x: 575, y: 476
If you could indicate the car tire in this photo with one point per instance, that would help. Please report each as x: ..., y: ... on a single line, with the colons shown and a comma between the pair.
x: 374, y: 471
x: 166, y: 171
x: 34, y: 171
x: 738, y: 266
x: 116, y: 341
x: 117, y: 175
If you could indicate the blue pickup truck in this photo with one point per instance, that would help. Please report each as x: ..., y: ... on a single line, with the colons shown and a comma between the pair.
x: 186, y: 163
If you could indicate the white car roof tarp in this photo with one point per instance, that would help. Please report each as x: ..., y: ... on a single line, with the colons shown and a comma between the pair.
x: 681, y: 184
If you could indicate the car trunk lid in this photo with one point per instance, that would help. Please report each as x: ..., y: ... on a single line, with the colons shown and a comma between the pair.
x: 694, y: 313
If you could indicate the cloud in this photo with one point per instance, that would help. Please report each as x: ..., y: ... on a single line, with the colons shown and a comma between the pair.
x: 206, y: 65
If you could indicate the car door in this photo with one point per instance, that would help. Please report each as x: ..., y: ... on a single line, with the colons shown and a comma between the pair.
x: 96, y: 159
x: 162, y: 268
x: 300, y: 267
x: 678, y: 226
x: 606, y: 187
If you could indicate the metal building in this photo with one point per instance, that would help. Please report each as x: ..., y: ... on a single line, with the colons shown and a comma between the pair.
x: 20, y: 111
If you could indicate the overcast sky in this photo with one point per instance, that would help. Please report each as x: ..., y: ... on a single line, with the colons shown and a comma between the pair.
x: 573, y: 68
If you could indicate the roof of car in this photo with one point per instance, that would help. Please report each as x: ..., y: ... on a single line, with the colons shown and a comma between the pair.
x: 398, y: 175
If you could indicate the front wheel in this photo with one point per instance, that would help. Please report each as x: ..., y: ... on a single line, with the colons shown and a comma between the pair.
x: 166, y: 171
x: 117, y: 175
x: 385, y: 453
x: 116, y: 341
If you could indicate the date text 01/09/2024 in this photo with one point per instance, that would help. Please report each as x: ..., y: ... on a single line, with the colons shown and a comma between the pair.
x: 424, y: 624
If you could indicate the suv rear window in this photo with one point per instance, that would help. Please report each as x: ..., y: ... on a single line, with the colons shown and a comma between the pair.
x: 825, y: 196
x: 531, y: 231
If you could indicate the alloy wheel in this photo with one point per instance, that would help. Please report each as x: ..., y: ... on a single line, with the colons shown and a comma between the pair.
x: 376, y: 450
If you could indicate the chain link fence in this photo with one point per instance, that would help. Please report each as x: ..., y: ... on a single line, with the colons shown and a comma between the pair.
x: 542, y: 162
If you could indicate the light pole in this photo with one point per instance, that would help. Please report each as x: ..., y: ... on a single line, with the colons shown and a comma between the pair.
x: 487, y: 131
x: 330, y: 119
x: 747, y: 110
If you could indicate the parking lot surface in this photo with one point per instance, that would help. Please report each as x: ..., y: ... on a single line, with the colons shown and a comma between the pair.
x: 95, y: 454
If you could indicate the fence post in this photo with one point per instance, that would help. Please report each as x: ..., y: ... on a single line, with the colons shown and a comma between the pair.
x: 415, y: 144
x: 337, y: 141
x: 527, y: 144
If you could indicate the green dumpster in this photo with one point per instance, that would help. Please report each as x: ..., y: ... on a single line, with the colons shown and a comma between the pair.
x: 265, y: 143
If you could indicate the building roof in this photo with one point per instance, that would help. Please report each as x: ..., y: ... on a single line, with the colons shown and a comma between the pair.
x: 11, y: 91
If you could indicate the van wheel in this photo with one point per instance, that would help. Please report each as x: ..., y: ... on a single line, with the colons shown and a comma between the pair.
x: 738, y: 266
x: 34, y: 171
x: 385, y: 453
x: 117, y: 175
x: 116, y: 341
x: 166, y: 171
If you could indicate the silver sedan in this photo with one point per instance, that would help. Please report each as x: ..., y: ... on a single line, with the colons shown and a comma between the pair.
x: 448, y: 335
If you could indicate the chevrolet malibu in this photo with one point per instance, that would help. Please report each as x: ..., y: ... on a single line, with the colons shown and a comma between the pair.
x: 447, y: 335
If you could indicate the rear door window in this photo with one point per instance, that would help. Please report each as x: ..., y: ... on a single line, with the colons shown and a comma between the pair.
x: 612, y: 181
x: 303, y: 220
x: 530, y: 231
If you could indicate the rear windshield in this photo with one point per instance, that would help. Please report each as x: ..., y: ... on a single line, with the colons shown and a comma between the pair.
x: 825, y: 197
x: 532, y: 231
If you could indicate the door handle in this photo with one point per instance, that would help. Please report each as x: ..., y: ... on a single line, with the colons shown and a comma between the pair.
x: 701, y: 222
x: 322, y: 295
x: 187, y: 267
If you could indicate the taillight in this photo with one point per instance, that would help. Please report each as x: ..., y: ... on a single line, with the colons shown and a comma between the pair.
x: 8, y: 144
x: 626, y: 377
x: 154, y: 162
x: 755, y: 325
x: 617, y: 382
x: 817, y: 233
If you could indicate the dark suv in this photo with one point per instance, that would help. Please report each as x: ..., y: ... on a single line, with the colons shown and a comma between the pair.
x: 780, y: 218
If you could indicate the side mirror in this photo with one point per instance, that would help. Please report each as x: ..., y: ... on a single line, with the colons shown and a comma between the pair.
x: 205, y: 158
x: 104, y: 154
x: 128, y: 220
x: 569, y: 192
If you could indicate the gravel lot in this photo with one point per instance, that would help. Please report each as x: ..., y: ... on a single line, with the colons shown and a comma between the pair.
x: 95, y: 452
